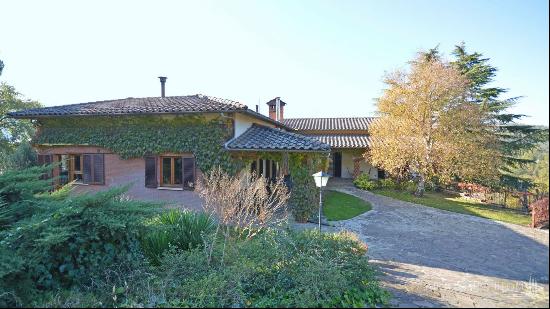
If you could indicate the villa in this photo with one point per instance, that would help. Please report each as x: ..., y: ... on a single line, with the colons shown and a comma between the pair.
x: 160, y: 145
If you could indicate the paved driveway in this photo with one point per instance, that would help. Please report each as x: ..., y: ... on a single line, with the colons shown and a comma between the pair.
x: 430, y: 257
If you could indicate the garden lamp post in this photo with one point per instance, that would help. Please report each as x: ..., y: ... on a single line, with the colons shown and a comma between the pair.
x: 321, y: 179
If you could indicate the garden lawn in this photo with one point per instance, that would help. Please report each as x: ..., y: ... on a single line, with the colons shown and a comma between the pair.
x: 460, y: 205
x: 341, y: 206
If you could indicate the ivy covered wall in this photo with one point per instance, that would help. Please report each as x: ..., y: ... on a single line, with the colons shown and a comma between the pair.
x: 137, y: 136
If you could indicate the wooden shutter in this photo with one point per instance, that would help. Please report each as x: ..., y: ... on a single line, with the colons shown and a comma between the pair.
x: 189, y: 173
x: 45, y: 160
x: 98, y: 165
x: 151, y: 172
x: 40, y: 160
x: 87, y: 176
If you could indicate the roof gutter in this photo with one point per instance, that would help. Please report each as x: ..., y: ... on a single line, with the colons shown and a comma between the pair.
x: 276, y: 150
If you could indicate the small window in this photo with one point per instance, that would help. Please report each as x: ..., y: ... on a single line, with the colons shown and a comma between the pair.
x: 64, y: 168
x: 75, y: 167
x: 171, y: 171
x: 92, y: 169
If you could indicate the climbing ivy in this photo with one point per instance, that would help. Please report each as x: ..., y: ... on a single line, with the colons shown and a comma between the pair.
x: 138, y: 136
x: 304, y: 198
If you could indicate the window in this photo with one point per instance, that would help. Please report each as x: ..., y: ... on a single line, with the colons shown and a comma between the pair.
x: 265, y: 168
x: 174, y: 171
x: 75, y: 163
x: 92, y: 168
x: 63, y: 161
x: 171, y: 171
x: 381, y: 174
x: 45, y: 160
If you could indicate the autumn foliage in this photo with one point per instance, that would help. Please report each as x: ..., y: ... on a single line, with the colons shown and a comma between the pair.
x: 429, y: 128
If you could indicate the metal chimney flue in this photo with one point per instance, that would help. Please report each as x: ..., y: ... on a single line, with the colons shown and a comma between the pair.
x: 162, y: 86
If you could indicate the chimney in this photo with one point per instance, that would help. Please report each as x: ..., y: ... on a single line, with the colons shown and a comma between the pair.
x: 162, y: 86
x: 257, y: 108
x: 276, y: 109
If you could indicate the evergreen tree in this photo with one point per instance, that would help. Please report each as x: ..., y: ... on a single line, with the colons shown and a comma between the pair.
x: 514, y: 139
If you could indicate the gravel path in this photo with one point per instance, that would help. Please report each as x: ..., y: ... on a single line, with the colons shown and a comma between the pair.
x: 432, y: 258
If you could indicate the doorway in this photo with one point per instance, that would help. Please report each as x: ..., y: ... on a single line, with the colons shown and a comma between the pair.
x: 337, y: 164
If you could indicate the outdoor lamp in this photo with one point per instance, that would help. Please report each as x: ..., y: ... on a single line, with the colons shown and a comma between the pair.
x: 321, y: 179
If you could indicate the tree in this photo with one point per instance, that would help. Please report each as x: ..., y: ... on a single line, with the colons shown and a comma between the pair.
x: 23, y: 157
x: 12, y: 131
x: 428, y: 127
x: 514, y: 140
x: 535, y: 173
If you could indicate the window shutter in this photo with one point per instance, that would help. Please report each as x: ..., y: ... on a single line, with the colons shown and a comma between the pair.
x: 189, y: 173
x: 40, y: 160
x: 151, y: 172
x: 87, y: 176
x: 45, y: 160
x: 98, y: 169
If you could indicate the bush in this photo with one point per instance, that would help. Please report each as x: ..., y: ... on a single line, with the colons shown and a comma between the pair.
x: 24, y: 156
x: 274, y: 269
x: 304, y: 194
x: 183, y: 230
x: 388, y: 184
x: 50, y: 241
x: 364, y: 182
x: 409, y: 186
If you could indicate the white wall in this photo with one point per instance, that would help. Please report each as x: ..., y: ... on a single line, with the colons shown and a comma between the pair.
x: 347, y: 166
x: 243, y: 122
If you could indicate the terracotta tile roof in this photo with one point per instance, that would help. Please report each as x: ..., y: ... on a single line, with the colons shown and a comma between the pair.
x: 151, y: 105
x: 329, y: 124
x: 344, y: 141
x: 259, y: 138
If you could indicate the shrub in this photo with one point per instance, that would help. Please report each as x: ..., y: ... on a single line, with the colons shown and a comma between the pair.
x: 388, y: 183
x: 183, y: 230
x: 364, y: 182
x: 49, y: 241
x: 243, y: 201
x: 304, y: 196
x: 276, y: 269
x: 24, y: 156
x: 409, y: 186
x: 539, y: 213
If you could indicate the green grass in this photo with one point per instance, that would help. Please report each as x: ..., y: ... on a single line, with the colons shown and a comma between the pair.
x: 460, y: 205
x: 341, y: 206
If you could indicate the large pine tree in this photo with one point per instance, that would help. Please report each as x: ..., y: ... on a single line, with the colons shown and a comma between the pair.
x: 515, y: 139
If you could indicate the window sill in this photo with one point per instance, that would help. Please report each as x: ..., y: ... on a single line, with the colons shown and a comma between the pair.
x: 170, y: 188
x: 88, y: 184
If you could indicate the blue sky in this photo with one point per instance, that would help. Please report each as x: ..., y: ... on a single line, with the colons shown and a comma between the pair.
x: 324, y: 58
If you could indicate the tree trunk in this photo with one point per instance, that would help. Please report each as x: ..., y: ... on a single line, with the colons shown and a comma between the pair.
x: 420, y: 187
